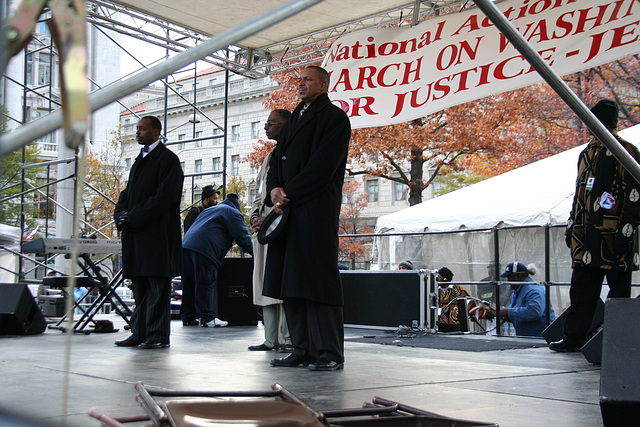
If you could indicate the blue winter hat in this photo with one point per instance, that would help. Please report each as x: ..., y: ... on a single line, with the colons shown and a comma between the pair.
x: 514, y: 267
x: 232, y: 200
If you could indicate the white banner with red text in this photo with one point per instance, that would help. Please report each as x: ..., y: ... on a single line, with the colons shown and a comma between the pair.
x: 393, y: 75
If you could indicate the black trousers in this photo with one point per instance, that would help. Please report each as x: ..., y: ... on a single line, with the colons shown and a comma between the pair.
x: 586, y: 285
x: 316, y: 329
x: 151, y: 319
x: 199, y: 275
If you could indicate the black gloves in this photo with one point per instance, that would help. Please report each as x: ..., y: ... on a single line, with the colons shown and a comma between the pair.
x: 123, y: 222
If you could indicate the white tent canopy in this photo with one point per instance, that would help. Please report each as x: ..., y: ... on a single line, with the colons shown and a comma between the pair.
x: 540, y: 193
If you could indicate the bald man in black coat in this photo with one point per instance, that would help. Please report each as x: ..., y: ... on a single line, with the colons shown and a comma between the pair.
x: 306, y: 176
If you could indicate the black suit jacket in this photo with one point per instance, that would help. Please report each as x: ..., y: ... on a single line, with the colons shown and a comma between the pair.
x: 152, y: 245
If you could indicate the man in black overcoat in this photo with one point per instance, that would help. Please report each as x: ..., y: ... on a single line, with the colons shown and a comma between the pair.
x: 148, y: 215
x: 306, y: 176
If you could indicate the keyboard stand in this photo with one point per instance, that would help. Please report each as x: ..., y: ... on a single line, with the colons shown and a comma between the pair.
x: 93, y: 279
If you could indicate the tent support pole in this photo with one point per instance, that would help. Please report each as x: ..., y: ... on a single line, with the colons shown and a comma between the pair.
x: 559, y: 86
x: 103, y: 97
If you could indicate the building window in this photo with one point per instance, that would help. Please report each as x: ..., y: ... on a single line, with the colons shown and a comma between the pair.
x: 47, y: 139
x: 235, y: 165
x: 127, y: 122
x: 179, y: 88
x: 44, y: 69
x: 212, y: 82
x: 198, y: 168
x: 182, y: 165
x: 218, y: 136
x: 372, y: 189
x: 217, y: 164
x: 198, y: 135
x: 43, y: 28
x: 196, y: 85
x: 235, y: 133
x: 127, y: 163
x: 255, y: 130
x: 180, y: 138
x: 29, y: 58
x: 399, y: 191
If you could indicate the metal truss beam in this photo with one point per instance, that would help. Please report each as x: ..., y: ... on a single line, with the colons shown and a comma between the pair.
x: 252, y: 62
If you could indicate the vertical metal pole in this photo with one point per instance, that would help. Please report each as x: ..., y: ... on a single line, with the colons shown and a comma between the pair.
x: 195, y: 97
x: 166, y: 94
x: 46, y: 212
x: 3, y: 41
x: 496, y: 277
x: 22, y: 173
x: 547, y: 273
x: 226, y: 130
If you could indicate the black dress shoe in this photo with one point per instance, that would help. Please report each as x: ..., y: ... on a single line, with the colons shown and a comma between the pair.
x: 190, y: 323
x: 290, y: 361
x: 564, y: 347
x: 149, y: 345
x: 325, y: 365
x: 260, y: 347
x: 132, y: 341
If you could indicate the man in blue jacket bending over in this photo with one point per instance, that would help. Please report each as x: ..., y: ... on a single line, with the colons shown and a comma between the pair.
x: 203, y: 249
x: 527, y: 311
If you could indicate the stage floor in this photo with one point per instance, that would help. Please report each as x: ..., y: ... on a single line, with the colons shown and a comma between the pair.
x: 57, y: 380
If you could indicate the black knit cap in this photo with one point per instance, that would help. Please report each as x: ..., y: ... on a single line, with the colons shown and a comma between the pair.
x: 406, y: 264
x: 446, y: 273
x: 232, y: 200
x: 606, y: 111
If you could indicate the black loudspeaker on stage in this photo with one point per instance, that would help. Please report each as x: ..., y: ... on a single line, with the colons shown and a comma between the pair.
x: 19, y: 314
x: 619, y: 375
x: 235, y: 292
x: 554, y: 331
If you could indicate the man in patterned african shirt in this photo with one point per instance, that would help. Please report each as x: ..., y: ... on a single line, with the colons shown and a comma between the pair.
x: 447, y: 293
x: 602, y: 232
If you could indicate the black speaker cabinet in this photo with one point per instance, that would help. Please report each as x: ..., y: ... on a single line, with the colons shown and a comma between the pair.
x: 619, y: 375
x: 592, y: 349
x: 235, y: 292
x: 554, y: 331
x: 383, y: 298
x: 19, y: 314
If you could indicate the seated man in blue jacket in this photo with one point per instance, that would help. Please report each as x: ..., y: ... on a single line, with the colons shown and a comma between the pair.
x: 203, y: 250
x: 528, y: 304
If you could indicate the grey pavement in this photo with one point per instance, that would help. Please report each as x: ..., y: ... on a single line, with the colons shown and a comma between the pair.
x: 56, y: 377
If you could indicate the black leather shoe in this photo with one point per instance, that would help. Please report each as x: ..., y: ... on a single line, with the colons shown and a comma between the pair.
x: 148, y: 345
x: 190, y: 323
x: 325, y: 365
x: 132, y: 341
x: 260, y: 347
x: 563, y: 347
x: 286, y: 349
x: 290, y: 361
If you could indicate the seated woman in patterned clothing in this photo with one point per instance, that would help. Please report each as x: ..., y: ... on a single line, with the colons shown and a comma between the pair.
x: 449, y: 320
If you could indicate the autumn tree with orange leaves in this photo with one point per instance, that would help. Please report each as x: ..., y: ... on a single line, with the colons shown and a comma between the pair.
x: 351, y: 222
x: 104, y: 181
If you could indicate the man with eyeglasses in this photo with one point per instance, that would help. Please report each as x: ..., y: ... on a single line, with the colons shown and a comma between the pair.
x: 276, y: 333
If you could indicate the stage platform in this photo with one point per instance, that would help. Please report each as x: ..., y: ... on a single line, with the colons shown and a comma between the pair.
x: 533, y: 386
